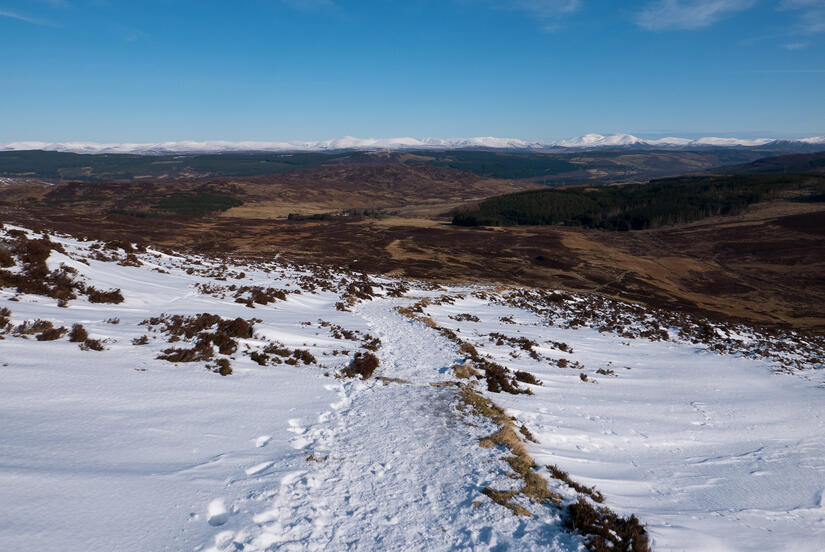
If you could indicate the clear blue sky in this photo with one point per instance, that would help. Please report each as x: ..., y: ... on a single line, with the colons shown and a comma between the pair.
x: 149, y: 70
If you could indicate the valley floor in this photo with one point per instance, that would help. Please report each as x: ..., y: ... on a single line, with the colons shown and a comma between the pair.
x: 118, y: 450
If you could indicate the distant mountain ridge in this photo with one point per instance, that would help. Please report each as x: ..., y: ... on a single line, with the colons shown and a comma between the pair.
x: 588, y: 141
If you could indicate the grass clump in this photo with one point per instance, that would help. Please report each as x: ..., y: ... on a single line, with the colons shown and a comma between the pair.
x: 201, y: 351
x: 51, y: 334
x: 504, y: 498
x: 604, y: 530
x: 78, y: 334
x: 498, y: 379
x: 465, y: 317
x: 224, y: 367
x: 563, y: 476
x: 527, y: 377
x: 5, y: 317
x: 113, y: 296
x: 534, y: 485
x: 91, y: 345
x: 465, y: 371
x: 261, y: 358
x: 6, y: 259
x: 363, y: 364
x: 33, y: 327
x: 304, y: 356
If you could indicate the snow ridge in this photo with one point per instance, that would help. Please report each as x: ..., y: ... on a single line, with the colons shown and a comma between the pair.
x: 587, y: 141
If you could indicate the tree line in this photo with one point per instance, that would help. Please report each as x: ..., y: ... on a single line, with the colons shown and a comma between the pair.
x: 635, y: 206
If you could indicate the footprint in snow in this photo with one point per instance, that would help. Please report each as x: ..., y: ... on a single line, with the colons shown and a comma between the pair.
x: 258, y: 468
x: 300, y: 443
x: 295, y: 426
x: 216, y: 513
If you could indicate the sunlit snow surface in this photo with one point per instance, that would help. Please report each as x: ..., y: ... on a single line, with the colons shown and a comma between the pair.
x: 588, y: 141
x: 116, y: 450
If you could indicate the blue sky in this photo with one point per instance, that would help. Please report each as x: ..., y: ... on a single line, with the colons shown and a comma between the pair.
x: 149, y: 70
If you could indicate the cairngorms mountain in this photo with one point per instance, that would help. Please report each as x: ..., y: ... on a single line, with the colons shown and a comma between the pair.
x: 399, y: 144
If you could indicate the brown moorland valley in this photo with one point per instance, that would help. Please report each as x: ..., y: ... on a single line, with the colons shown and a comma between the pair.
x: 765, y: 265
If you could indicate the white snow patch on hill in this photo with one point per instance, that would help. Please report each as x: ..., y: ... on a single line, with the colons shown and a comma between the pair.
x: 588, y: 141
x: 118, y: 450
x: 713, y: 452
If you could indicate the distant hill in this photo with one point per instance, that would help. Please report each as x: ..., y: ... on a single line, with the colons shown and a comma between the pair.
x: 540, y: 167
x: 52, y: 165
x: 800, y: 163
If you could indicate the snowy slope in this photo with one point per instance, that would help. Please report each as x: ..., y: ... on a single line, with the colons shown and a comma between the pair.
x: 588, y: 141
x: 597, y: 140
x: 714, y: 452
x: 119, y: 450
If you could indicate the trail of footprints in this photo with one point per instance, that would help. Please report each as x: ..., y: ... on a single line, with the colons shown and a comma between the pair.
x: 292, y: 486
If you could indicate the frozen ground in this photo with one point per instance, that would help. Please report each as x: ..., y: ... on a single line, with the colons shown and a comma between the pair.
x: 713, y: 452
x: 118, y: 450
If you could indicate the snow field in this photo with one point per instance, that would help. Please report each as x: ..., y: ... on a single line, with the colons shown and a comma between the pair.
x: 117, y: 450
x: 712, y: 452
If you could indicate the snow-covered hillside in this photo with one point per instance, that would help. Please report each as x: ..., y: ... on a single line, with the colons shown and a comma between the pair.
x: 588, y: 141
x: 121, y: 433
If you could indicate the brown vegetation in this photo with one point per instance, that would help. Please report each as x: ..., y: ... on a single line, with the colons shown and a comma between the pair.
x: 224, y: 367
x: 604, y: 530
x: 363, y: 365
x: 78, y: 334
x: 527, y: 377
x: 113, y: 296
x: 51, y: 334
x: 91, y: 345
x: 5, y: 317
x: 729, y: 268
x: 563, y: 476
x: 534, y: 486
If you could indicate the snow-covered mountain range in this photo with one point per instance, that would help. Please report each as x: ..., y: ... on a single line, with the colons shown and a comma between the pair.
x: 587, y: 141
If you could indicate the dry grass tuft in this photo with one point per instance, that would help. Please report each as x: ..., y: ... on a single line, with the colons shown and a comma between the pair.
x: 5, y: 318
x: 527, y: 377
x: 33, y: 327
x: 113, y: 296
x: 563, y: 476
x: 224, y: 368
x: 504, y: 498
x: 6, y: 260
x: 51, y: 334
x: 78, y: 334
x: 465, y: 371
x: 363, y: 364
x: 534, y: 485
x: 604, y: 530
x: 91, y: 345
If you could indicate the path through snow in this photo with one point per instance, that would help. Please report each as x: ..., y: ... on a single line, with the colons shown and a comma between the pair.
x: 393, y: 467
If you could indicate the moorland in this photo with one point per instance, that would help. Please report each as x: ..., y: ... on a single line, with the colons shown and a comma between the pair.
x: 731, y: 233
